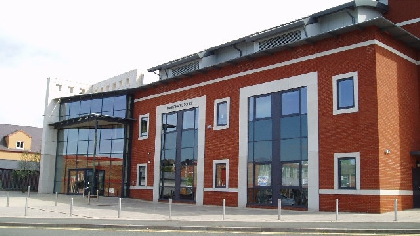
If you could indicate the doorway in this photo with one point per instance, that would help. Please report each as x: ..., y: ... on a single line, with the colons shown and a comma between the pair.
x: 416, y: 187
x: 179, y: 155
x: 83, y: 181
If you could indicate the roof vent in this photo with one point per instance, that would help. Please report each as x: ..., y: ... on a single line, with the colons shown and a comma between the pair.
x: 280, y: 40
x: 185, y: 68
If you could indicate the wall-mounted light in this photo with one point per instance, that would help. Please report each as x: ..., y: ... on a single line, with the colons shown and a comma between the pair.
x: 387, y: 151
x: 148, y: 162
x: 209, y: 127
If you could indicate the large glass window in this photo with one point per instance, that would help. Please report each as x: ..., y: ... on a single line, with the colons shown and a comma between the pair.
x: 221, y: 173
x: 345, y: 93
x: 222, y: 113
x: 144, y: 126
x: 278, y: 148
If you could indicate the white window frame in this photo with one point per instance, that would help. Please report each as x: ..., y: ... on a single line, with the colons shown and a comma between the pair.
x: 337, y: 156
x: 216, y: 102
x: 21, y: 143
x: 148, y: 122
x: 145, y: 176
x: 226, y: 162
x: 335, y: 78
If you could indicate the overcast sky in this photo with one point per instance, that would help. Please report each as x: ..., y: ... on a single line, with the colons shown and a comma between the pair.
x: 90, y: 41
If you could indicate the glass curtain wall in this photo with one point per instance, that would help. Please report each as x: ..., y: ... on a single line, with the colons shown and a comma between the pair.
x: 278, y: 148
x: 179, y: 155
x: 77, y: 168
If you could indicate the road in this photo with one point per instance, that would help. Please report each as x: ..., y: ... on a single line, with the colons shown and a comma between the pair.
x: 38, y: 231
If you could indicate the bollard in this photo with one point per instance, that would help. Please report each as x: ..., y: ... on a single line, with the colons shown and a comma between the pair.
x: 71, y: 207
x: 89, y: 198
x: 26, y: 206
x: 7, y: 201
x: 97, y: 195
x: 224, y: 209
x: 278, y: 209
x: 56, y: 198
x: 170, y: 208
x: 29, y: 191
x: 119, y: 208
x: 396, y: 209
x: 336, y: 209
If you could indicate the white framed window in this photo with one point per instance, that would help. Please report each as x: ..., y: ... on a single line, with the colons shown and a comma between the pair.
x: 221, y: 174
x: 347, y: 171
x: 345, y: 93
x: 19, y: 145
x: 221, y: 113
x: 141, y: 175
x: 143, y: 126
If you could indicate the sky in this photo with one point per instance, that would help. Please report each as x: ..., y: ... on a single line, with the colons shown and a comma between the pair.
x: 91, y: 41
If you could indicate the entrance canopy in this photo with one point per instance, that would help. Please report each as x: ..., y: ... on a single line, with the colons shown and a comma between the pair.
x: 89, y: 121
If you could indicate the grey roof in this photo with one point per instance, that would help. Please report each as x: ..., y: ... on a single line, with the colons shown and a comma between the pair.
x: 34, y: 132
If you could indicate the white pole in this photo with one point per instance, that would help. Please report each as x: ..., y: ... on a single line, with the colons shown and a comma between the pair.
x: 170, y: 208
x: 56, y: 198
x: 396, y: 209
x: 119, y: 207
x: 97, y: 195
x: 278, y: 209
x: 89, y: 198
x: 7, y: 202
x: 224, y: 209
x: 29, y: 191
x: 336, y: 209
x: 26, y: 206
x: 71, y: 207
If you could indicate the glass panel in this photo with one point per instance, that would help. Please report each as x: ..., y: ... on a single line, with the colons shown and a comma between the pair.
x: 251, y: 109
x: 263, y: 130
x: 251, y: 151
x: 220, y: 175
x: 250, y: 174
x: 304, y: 174
x: 83, y: 134
x: 188, y: 119
x: 118, y: 133
x: 263, y: 107
x: 72, y: 147
x: 108, y: 106
x: 290, y: 127
x: 169, y: 155
x: 62, y: 148
x: 304, y: 125
x: 74, y: 109
x: 290, y: 174
x: 263, y: 151
x: 187, y: 156
x: 170, y: 140
x: 73, y: 134
x: 170, y: 123
x: 250, y: 131
x: 143, y: 124
x: 63, y: 108
x: 222, y: 113
x: 105, y: 146
x: 303, y: 101
x: 262, y: 175
x: 118, y: 146
x: 106, y: 133
x: 85, y: 107
x: 264, y: 196
x: 82, y: 147
x: 290, y: 102
x: 304, y: 142
x: 96, y: 106
x: 347, y: 170
x: 188, y: 138
x: 142, y: 176
x: 120, y: 103
x: 290, y: 150
x: 345, y: 93
x: 120, y: 113
x: 62, y: 134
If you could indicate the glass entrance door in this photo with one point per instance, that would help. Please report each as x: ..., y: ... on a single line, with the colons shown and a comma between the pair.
x: 179, y: 155
x: 80, y: 180
x: 416, y: 187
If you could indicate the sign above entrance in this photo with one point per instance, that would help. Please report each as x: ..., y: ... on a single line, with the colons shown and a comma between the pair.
x: 180, y: 106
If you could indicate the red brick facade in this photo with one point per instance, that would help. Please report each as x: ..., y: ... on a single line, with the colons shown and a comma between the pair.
x: 388, y: 115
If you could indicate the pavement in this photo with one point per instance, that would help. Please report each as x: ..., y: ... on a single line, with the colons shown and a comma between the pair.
x: 45, y: 210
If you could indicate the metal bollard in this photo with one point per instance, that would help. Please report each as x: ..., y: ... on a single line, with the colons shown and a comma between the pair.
x: 396, y: 209
x: 56, y: 198
x: 29, y: 191
x: 97, y: 195
x: 336, y: 209
x: 89, y: 198
x: 224, y: 209
x: 278, y: 209
x: 119, y: 208
x: 26, y: 207
x: 71, y: 207
x: 170, y: 208
x: 7, y: 201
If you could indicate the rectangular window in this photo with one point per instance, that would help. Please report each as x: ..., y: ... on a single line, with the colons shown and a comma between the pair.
x: 142, y: 175
x: 221, y: 173
x: 221, y: 113
x: 19, y: 145
x: 347, y: 173
x: 144, y: 127
x: 345, y: 93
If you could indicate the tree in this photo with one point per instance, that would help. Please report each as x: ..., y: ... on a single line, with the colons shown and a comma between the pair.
x: 29, y: 164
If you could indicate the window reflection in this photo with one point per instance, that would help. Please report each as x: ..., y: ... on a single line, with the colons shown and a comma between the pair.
x: 263, y: 107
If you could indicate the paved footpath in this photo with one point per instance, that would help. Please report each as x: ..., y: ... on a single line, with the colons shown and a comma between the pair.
x: 43, y: 210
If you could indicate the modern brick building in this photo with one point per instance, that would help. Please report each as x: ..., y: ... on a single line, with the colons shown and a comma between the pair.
x: 318, y: 109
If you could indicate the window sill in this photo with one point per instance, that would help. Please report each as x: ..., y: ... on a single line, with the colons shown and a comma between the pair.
x: 231, y: 190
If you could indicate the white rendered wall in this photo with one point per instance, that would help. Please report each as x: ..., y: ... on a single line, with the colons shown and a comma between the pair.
x: 130, y: 79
